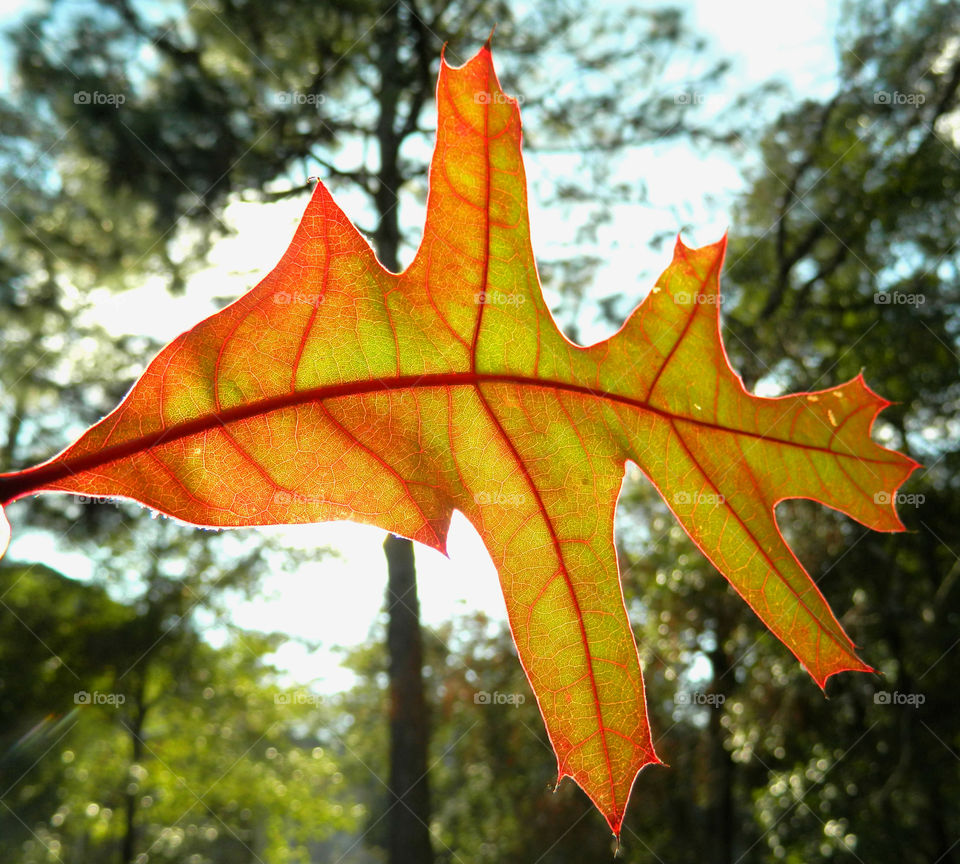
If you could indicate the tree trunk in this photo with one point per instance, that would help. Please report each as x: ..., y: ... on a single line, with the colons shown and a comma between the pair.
x: 409, y: 817
x: 722, y: 806
x: 409, y: 820
x: 128, y: 842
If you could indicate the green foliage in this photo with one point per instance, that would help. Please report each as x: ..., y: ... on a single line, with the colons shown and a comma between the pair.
x: 122, y: 729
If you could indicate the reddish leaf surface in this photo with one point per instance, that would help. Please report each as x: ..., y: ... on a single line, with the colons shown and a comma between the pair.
x: 337, y: 390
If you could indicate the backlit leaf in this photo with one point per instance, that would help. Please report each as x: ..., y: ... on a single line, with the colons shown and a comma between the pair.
x: 337, y: 390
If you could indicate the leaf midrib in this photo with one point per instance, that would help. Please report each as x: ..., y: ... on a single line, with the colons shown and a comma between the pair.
x: 17, y: 484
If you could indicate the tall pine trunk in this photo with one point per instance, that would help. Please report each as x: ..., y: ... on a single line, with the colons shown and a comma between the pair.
x: 409, y: 819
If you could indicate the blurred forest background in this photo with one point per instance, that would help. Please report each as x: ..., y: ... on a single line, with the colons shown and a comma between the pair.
x: 843, y: 257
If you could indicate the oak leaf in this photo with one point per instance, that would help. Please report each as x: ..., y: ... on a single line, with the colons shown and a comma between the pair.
x: 337, y: 390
